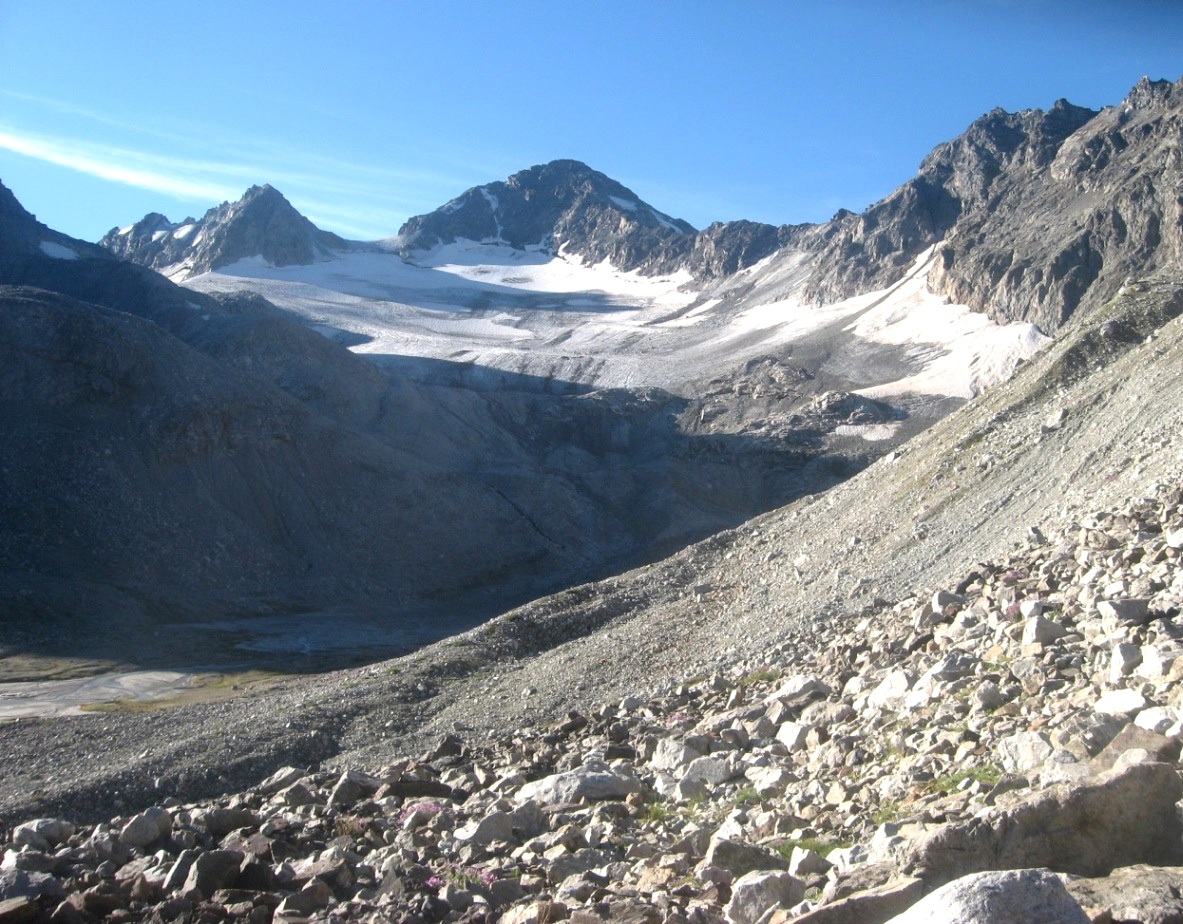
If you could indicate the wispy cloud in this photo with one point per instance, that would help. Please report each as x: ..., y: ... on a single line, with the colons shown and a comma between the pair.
x: 357, y: 199
x: 112, y: 164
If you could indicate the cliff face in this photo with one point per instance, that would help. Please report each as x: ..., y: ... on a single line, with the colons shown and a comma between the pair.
x: 1038, y: 214
x: 1064, y: 236
x: 959, y: 181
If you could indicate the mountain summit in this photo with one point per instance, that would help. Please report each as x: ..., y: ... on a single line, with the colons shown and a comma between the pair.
x: 563, y: 206
x: 261, y: 223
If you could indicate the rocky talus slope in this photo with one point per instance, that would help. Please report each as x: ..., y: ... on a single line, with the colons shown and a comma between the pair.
x: 1027, y: 718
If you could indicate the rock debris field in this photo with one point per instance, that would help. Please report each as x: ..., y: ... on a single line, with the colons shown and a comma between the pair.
x: 1004, y: 748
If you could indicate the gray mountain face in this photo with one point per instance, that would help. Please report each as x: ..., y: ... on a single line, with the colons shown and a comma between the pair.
x: 1038, y: 214
x: 261, y: 223
x: 1063, y: 233
x: 857, y: 253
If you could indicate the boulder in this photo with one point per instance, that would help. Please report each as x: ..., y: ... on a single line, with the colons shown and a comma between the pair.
x: 1121, y: 817
x: 496, y: 826
x: 592, y: 784
x: 1153, y: 894
x: 1023, y: 751
x: 213, y: 870
x: 739, y: 858
x: 1133, y: 737
x: 146, y: 828
x: 754, y: 893
x: 1129, y: 612
x: 1034, y: 896
x: 869, y: 906
x: 42, y: 833
x: 351, y: 787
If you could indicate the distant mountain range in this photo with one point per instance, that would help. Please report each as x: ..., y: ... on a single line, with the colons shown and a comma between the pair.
x: 1036, y: 214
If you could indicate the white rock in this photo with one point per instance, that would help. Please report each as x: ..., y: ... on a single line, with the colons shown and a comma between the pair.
x: 585, y: 783
x: 1040, y: 631
x: 496, y: 826
x: 799, y: 687
x: 673, y: 754
x: 755, y: 893
x: 709, y: 770
x: 1120, y: 702
x: 1122, y: 661
x: 1156, y: 719
x: 792, y: 735
x: 891, y: 691
x: 1023, y: 751
x: 1035, y: 896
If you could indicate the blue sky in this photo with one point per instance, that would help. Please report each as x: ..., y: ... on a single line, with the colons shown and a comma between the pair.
x: 365, y: 113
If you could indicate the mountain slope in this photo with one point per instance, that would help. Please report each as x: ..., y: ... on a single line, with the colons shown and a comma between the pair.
x: 200, y: 455
x: 262, y: 223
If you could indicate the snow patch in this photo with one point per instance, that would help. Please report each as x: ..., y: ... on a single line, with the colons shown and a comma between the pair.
x: 665, y: 220
x: 58, y: 251
x: 184, y: 231
x: 627, y: 204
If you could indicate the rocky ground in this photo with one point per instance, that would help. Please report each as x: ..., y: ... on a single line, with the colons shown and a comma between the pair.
x: 1027, y: 718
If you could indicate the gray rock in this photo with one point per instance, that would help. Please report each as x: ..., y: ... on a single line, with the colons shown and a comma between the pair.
x: 867, y: 906
x: 585, y: 783
x: 1033, y: 896
x: 1151, y: 894
x: 1131, y: 737
x: 1134, y: 611
x: 739, y: 858
x: 799, y: 691
x: 1118, y: 818
x: 944, y: 598
x: 213, y: 870
x: 280, y: 779
x: 673, y: 754
x: 42, y: 833
x: 19, y: 883
x: 147, y: 827
x: 891, y: 691
x: 221, y: 821
x: 1122, y: 661
x: 179, y: 872
x: 352, y: 786
x: 754, y: 893
x: 805, y: 862
x: 1040, y: 631
x: 496, y: 826
x: 712, y: 770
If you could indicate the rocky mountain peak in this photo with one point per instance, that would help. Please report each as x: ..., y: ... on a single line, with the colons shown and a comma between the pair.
x: 262, y: 223
x: 563, y: 205
x: 1147, y: 93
